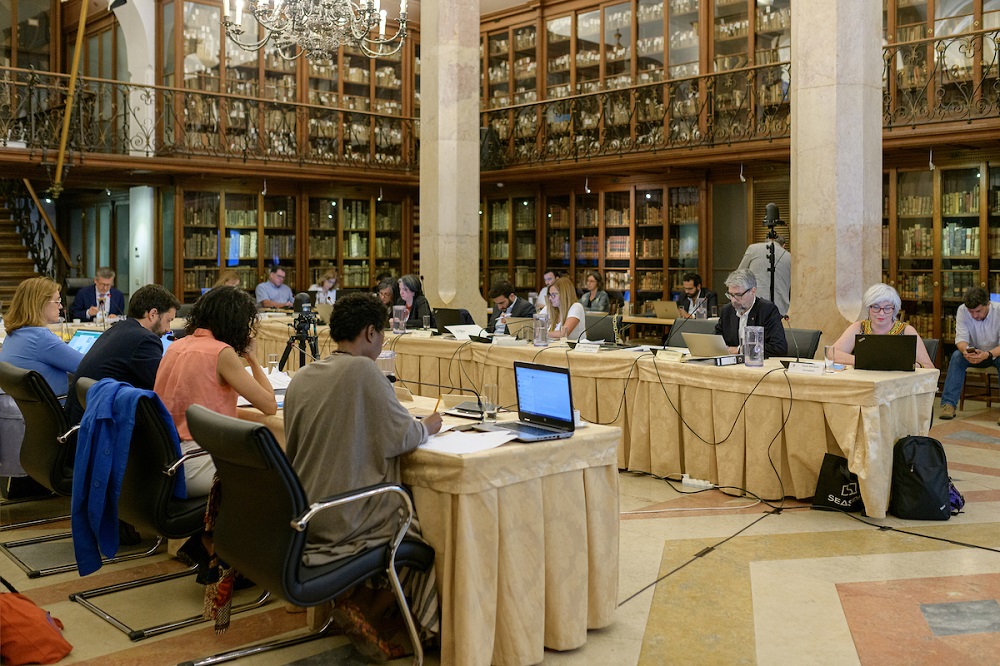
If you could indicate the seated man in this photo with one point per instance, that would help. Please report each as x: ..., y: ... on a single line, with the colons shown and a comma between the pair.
x: 130, y: 351
x: 102, y: 297
x: 506, y: 304
x: 747, y: 309
x: 274, y: 293
x: 977, y: 336
x: 341, y: 414
x: 549, y: 277
x: 695, y: 296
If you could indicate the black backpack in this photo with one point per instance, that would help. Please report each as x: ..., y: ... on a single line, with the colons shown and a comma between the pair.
x: 919, y: 480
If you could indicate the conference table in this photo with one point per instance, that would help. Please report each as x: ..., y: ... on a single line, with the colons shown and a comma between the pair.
x: 757, y: 429
x: 511, y: 587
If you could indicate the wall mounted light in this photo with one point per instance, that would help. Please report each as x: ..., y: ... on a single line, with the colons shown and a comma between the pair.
x: 930, y: 161
x: 743, y: 178
x: 586, y: 185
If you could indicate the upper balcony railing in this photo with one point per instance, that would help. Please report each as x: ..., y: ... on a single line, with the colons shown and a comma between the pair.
x: 928, y: 81
x: 941, y: 79
x: 116, y: 118
x: 735, y: 106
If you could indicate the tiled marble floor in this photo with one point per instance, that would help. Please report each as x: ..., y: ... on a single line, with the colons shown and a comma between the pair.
x: 795, y: 587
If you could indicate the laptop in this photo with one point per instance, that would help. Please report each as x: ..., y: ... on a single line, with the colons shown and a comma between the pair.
x: 544, y: 403
x: 82, y: 341
x: 706, y: 344
x: 445, y: 317
x: 599, y: 326
x: 517, y: 325
x: 885, y: 352
x: 324, y: 310
x: 665, y: 309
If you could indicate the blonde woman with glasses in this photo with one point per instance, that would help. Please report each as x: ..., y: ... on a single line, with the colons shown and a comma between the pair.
x: 881, y: 303
x: 30, y: 344
x: 567, y: 318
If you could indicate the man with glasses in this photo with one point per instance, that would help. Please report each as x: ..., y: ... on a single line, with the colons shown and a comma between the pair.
x: 977, y: 337
x: 102, y: 297
x: 745, y: 308
x: 274, y: 293
x: 543, y: 295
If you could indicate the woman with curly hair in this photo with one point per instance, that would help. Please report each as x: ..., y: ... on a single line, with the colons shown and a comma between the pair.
x: 206, y: 368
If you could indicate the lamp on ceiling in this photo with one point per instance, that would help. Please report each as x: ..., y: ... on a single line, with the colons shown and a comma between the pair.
x: 317, y: 27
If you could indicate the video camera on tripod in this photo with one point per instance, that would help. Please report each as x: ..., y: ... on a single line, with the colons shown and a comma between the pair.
x: 771, y: 219
x: 303, y: 325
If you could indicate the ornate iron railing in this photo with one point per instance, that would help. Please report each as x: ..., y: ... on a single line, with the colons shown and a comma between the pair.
x: 112, y: 117
x: 735, y: 106
x: 941, y: 79
x: 29, y: 225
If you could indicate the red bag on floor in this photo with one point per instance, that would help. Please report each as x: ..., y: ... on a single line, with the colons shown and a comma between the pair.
x: 30, y: 634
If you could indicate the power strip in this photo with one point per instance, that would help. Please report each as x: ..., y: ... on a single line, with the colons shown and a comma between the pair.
x: 695, y: 483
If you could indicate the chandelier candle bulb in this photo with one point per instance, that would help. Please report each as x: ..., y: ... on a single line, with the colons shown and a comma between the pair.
x: 225, y: 8
x: 239, y: 12
x: 381, y: 24
x: 402, y: 7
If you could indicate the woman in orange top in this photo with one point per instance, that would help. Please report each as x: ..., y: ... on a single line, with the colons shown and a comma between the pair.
x: 206, y: 367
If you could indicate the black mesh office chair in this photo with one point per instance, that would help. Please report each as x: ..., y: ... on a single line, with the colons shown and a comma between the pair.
x: 47, y: 452
x: 147, y: 501
x: 263, y: 534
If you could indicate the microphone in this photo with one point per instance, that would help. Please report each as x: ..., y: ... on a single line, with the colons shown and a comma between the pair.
x: 675, y: 330
x: 393, y: 379
x: 795, y: 342
x: 615, y: 328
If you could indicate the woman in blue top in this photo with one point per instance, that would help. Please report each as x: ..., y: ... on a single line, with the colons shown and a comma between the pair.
x: 30, y: 344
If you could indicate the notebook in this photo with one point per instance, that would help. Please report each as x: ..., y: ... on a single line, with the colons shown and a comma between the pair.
x: 666, y: 309
x: 544, y: 403
x: 885, y: 352
x: 82, y: 341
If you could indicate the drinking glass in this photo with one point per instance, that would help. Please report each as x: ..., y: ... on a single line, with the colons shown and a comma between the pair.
x: 490, y: 402
x: 387, y: 362
x: 272, y: 364
x: 828, y: 357
x: 427, y: 321
x: 399, y: 319
x: 713, y: 311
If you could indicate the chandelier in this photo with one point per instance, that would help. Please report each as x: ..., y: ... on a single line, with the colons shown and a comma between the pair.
x: 317, y: 27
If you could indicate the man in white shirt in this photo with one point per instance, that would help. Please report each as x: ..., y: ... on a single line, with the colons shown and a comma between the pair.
x: 543, y: 295
x: 977, y: 337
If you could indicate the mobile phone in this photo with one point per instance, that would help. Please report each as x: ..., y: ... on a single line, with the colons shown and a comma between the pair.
x: 971, y: 350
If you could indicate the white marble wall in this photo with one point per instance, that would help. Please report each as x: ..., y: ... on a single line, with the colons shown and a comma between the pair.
x: 449, y: 155
x: 836, y: 161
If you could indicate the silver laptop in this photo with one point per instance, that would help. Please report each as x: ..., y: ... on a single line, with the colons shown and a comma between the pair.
x: 666, y: 309
x: 706, y: 344
x: 544, y: 404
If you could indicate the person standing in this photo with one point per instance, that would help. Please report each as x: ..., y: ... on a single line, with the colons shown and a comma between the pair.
x: 977, y: 338
x: 102, y: 297
x: 756, y: 261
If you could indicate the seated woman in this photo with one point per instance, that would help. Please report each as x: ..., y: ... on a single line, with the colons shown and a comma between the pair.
x: 412, y: 293
x: 567, y: 318
x: 341, y: 414
x: 594, y: 299
x: 227, y: 278
x: 206, y: 368
x: 30, y: 344
x: 882, y: 304
x: 326, y: 288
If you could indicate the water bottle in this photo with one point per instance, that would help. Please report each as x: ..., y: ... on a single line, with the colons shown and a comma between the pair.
x: 701, y: 310
x: 540, y: 329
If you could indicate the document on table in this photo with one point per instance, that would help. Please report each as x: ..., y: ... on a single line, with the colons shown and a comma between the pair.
x: 457, y: 443
x: 279, y: 382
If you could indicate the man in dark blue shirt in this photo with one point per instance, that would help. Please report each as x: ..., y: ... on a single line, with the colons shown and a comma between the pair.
x: 130, y: 351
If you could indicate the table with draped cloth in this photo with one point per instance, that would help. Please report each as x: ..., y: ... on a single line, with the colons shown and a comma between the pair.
x: 511, y: 586
x: 855, y: 413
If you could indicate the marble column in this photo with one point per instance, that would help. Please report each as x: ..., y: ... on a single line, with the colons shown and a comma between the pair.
x: 449, y: 155
x: 836, y: 160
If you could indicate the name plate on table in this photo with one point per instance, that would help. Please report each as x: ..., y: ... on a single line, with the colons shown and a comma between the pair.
x: 796, y: 368
x: 671, y: 355
x: 587, y: 347
x: 422, y: 333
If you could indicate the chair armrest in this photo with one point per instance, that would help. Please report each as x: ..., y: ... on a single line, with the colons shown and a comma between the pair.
x: 63, y: 438
x: 172, y: 470
x: 299, y: 524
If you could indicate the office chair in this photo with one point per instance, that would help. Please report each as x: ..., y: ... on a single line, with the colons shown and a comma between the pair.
x: 674, y: 337
x: 263, y: 534
x: 805, y: 340
x: 147, y: 501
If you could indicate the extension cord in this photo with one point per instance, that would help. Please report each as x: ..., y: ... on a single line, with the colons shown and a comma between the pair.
x: 695, y: 483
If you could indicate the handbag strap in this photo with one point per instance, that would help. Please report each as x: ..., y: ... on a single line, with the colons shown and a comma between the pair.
x: 7, y: 585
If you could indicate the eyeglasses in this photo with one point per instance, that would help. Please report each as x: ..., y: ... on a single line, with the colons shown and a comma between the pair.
x: 59, y: 302
x: 887, y: 309
x: 733, y: 297
x: 280, y: 275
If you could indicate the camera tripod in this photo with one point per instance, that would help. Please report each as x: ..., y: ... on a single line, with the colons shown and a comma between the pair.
x: 298, y: 340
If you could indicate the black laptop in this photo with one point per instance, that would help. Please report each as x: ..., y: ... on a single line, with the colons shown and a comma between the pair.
x: 544, y: 403
x: 885, y: 352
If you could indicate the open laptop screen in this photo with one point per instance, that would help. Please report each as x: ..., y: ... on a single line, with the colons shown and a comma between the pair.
x: 82, y: 341
x: 544, y: 395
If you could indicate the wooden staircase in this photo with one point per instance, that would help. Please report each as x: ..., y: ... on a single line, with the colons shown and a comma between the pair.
x: 15, y: 264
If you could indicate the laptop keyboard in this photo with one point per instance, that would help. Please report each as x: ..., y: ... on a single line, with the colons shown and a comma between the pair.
x: 526, y: 429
